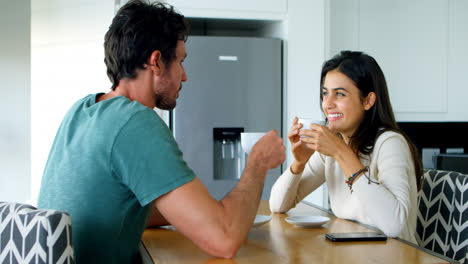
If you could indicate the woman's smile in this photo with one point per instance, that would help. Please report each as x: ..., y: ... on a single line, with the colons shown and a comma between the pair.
x: 334, y: 116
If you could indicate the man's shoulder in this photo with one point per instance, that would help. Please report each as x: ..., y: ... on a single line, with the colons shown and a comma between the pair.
x: 117, y: 111
x: 123, y: 106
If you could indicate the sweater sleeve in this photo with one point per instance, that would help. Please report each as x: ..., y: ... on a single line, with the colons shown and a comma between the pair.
x: 291, y: 188
x: 388, y: 204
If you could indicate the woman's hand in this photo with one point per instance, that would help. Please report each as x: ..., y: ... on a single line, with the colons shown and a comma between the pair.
x: 301, y: 151
x: 325, y: 141
x: 321, y: 139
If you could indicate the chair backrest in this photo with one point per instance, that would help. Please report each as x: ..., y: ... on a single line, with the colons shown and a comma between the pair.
x: 30, y: 235
x: 442, y: 224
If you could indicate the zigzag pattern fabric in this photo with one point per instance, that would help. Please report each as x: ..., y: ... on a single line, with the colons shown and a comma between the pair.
x: 30, y: 235
x: 442, y: 224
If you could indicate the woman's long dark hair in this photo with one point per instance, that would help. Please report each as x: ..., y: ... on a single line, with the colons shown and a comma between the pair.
x: 368, y: 77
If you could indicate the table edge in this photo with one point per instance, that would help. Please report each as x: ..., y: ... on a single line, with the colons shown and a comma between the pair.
x: 435, y: 254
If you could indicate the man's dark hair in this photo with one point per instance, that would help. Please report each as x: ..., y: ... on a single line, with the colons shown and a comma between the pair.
x: 138, y: 29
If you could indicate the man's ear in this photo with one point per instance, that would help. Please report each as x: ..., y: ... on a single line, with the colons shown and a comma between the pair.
x: 155, y: 62
x: 369, y: 101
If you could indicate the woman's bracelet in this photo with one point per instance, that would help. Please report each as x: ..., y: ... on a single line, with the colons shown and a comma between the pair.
x: 351, y: 179
x: 369, y: 179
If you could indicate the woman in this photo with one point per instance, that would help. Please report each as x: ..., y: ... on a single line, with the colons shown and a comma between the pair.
x: 373, y: 171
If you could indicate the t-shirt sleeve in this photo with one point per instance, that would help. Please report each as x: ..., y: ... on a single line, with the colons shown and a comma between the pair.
x: 147, y: 158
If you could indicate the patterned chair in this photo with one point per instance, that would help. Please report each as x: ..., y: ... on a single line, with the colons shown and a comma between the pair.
x: 442, y: 224
x: 30, y: 235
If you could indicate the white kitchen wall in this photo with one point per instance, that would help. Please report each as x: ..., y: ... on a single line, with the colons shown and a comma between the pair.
x: 67, y: 64
x: 15, y: 118
x: 306, y: 40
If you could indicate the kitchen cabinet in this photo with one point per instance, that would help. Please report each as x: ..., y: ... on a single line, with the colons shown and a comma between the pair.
x: 457, y: 58
x: 409, y: 40
x: 240, y: 9
x: 419, y: 46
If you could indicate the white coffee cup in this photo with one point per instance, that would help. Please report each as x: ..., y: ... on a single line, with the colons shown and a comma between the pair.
x: 307, y: 121
x: 248, y: 140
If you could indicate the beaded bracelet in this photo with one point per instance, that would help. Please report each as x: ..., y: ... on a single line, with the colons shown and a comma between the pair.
x: 351, y: 179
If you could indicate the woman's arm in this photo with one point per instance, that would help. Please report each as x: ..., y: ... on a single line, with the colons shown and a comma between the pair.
x: 291, y: 188
x: 388, y: 204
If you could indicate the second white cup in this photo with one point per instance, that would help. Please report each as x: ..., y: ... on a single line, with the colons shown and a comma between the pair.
x: 248, y: 140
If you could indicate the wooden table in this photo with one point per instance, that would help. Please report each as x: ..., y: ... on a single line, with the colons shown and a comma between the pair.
x: 280, y: 242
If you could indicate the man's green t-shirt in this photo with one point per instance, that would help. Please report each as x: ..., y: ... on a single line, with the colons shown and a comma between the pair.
x: 109, y: 161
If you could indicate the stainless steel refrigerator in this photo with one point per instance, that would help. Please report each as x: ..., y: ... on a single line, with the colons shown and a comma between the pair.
x: 234, y: 85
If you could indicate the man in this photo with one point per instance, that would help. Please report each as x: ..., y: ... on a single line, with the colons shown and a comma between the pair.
x: 115, y: 166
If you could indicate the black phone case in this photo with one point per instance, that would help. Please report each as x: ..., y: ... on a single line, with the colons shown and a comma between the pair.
x: 344, y: 237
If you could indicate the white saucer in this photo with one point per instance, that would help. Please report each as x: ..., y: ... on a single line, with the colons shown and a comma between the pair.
x: 260, y: 220
x: 307, y: 221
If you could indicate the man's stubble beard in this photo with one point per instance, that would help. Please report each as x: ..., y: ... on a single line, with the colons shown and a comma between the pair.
x: 163, y: 102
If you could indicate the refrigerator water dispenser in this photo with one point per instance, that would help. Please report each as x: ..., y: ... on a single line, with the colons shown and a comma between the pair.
x: 227, y: 153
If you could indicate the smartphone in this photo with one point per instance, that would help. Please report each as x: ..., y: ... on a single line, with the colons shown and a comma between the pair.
x: 361, y: 236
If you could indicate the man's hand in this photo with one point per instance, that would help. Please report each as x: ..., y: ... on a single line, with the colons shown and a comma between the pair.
x: 268, y: 153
